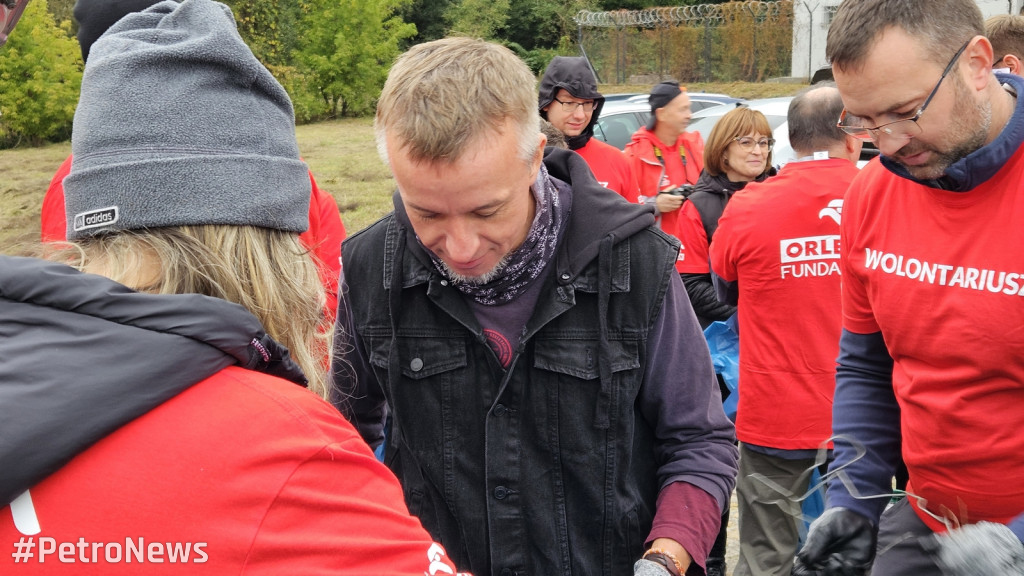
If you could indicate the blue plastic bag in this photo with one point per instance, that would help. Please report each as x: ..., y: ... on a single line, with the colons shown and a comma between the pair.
x: 724, y: 345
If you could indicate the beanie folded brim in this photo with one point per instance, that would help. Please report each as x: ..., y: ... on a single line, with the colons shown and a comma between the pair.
x: 140, y: 192
x: 178, y: 123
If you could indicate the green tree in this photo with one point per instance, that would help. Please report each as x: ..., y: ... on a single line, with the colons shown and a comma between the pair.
x: 62, y: 10
x: 258, y: 24
x: 536, y: 24
x: 346, y: 48
x: 40, y: 77
x: 477, y: 18
x: 428, y: 16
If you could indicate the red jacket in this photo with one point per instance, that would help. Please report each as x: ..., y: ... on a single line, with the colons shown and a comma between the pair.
x: 140, y: 431
x: 323, y: 237
x: 683, y: 162
x: 242, y: 473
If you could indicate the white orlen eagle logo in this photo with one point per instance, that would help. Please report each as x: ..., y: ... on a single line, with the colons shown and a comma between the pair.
x: 834, y: 210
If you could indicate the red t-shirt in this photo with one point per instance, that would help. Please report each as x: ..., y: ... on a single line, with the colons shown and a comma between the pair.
x: 323, y: 237
x: 610, y: 168
x: 941, y: 275
x: 779, y: 240
x: 242, y: 473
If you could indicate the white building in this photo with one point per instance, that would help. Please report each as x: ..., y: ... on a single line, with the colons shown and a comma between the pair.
x: 811, y: 19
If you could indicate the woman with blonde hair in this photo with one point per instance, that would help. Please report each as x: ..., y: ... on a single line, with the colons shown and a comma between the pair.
x: 154, y: 408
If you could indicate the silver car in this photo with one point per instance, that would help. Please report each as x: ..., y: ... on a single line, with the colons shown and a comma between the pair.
x: 624, y: 114
x: 775, y: 110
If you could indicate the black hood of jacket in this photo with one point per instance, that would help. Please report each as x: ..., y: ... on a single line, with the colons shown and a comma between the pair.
x: 605, y: 214
x: 84, y: 355
x: 572, y: 74
x: 721, y: 185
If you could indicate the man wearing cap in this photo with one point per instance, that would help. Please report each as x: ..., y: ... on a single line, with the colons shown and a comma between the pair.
x: 569, y: 100
x: 663, y: 156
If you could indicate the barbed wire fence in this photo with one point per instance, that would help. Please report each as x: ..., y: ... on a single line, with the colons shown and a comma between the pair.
x: 750, y: 40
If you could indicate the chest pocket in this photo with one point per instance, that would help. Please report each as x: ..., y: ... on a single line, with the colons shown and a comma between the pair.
x: 421, y: 358
x: 429, y: 396
x: 568, y: 372
x: 579, y: 358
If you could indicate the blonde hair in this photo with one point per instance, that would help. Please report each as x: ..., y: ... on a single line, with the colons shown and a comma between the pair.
x: 443, y: 97
x: 1006, y: 32
x: 735, y: 123
x: 266, y: 271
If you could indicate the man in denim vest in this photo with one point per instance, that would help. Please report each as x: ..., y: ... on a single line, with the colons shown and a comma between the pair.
x: 553, y: 407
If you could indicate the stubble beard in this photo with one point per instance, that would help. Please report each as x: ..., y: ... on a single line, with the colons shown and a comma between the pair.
x: 968, y: 129
x: 480, y: 280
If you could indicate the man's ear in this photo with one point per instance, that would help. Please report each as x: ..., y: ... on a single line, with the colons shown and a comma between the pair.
x: 538, y: 156
x: 978, y: 55
x: 1014, y: 64
x: 853, y: 148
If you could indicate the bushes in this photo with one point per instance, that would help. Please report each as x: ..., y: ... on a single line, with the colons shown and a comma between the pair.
x: 40, y: 76
x: 332, y: 57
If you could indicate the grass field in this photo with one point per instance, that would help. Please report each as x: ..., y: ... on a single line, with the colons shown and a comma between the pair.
x: 341, y: 154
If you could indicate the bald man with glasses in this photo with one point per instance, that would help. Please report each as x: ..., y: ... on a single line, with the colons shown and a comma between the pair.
x: 931, y: 359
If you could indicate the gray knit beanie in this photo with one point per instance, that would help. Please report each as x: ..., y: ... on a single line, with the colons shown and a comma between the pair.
x: 179, y: 124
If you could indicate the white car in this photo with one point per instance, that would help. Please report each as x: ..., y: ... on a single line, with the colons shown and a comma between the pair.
x: 775, y: 111
x: 624, y: 114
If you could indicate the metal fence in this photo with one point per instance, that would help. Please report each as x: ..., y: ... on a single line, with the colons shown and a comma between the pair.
x: 738, y: 41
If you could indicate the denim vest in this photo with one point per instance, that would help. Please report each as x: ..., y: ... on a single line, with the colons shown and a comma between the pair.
x: 548, y: 467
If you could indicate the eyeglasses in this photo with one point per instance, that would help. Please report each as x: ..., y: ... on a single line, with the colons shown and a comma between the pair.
x: 570, y: 107
x: 906, y: 128
x: 747, y: 143
x: 10, y: 11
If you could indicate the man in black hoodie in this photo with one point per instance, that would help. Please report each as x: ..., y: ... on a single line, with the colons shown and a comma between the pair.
x: 552, y: 408
x: 569, y: 100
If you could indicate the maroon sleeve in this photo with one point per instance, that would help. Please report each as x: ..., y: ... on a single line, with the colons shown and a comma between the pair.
x: 688, y: 515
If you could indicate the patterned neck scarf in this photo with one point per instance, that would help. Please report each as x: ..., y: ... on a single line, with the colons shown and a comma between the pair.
x: 525, y: 263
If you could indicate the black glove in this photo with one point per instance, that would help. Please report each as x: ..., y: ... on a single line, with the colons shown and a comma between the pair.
x: 839, y: 543
x: 982, y: 548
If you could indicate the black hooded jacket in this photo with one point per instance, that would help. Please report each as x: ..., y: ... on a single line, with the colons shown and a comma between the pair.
x: 84, y: 355
x: 574, y: 75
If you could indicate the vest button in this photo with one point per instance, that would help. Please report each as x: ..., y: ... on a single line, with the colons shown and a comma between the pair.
x: 500, y: 410
x: 416, y: 364
x: 500, y: 492
x: 565, y: 277
x: 444, y: 282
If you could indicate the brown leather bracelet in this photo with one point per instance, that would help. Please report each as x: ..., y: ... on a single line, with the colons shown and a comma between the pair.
x: 665, y: 559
